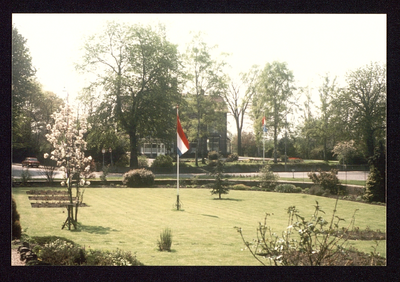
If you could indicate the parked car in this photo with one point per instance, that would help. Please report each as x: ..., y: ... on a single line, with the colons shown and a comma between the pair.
x: 33, y: 162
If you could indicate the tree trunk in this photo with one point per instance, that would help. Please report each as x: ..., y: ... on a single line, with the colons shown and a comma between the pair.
x: 133, y: 162
x: 239, y: 141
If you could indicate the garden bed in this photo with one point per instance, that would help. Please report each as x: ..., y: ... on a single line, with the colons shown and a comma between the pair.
x: 51, y: 199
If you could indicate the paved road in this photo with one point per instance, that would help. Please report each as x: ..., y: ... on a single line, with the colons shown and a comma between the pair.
x: 37, y: 173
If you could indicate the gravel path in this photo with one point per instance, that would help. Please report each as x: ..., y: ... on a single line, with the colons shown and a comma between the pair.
x: 15, y: 261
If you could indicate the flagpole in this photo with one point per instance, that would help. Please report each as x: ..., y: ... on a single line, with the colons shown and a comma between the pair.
x: 263, y: 138
x: 177, y: 162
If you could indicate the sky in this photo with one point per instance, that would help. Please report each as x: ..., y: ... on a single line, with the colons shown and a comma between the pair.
x: 312, y: 45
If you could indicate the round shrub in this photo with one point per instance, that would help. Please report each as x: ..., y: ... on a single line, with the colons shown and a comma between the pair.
x: 163, y: 161
x: 138, y: 178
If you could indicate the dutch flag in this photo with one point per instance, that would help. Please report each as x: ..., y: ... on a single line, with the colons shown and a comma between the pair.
x: 182, y: 142
x: 264, y: 126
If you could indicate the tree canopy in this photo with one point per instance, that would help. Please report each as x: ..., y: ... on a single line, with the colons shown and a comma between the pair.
x: 136, y: 68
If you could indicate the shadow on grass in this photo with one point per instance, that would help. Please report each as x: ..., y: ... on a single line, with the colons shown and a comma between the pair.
x: 209, y: 215
x: 228, y: 199
x: 94, y: 229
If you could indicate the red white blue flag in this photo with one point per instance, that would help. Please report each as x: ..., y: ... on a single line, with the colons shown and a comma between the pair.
x: 264, y: 125
x: 182, y: 142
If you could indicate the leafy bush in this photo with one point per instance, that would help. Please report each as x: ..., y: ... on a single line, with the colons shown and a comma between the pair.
x: 143, y: 162
x: 138, y: 178
x: 318, y: 244
x: 113, y: 258
x: 16, y: 225
x: 213, y: 155
x: 268, y: 178
x: 316, y: 190
x: 65, y: 252
x: 328, y: 180
x: 287, y: 188
x: 60, y: 252
x: 163, y: 161
x: 232, y: 157
x: 165, y: 242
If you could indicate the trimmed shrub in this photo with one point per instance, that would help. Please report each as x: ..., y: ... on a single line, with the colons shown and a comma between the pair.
x: 287, y: 188
x: 138, y: 178
x: 16, y: 225
x: 165, y: 242
x: 163, y: 161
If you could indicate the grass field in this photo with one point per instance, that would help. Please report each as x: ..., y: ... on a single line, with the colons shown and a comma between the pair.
x: 203, y: 231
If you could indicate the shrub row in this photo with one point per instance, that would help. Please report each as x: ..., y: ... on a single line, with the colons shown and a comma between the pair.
x: 60, y: 251
x: 287, y: 188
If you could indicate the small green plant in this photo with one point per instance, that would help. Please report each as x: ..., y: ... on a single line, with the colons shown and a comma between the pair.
x: 138, y: 178
x: 268, y: 178
x: 165, y: 242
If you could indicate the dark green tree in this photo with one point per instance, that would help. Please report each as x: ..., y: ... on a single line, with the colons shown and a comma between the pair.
x: 220, y: 185
x: 137, y: 71
x: 376, y: 182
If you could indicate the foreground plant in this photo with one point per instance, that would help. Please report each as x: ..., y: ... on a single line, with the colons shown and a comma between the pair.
x: 313, y: 242
x: 165, y: 242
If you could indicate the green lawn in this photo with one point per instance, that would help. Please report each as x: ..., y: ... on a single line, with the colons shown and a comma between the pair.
x: 203, y: 232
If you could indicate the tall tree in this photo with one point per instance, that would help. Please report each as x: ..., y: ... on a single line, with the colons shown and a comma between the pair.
x: 238, y: 103
x: 323, y: 129
x: 364, y: 105
x: 205, y: 83
x: 275, y: 89
x: 24, y: 86
x: 138, y: 69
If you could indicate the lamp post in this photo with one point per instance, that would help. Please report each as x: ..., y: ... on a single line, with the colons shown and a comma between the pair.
x: 103, y: 151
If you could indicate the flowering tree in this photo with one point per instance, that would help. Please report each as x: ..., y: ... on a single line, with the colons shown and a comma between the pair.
x: 344, y: 150
x: 66, y: 137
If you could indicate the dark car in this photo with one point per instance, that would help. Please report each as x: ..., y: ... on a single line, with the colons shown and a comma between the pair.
x: 33, y: 162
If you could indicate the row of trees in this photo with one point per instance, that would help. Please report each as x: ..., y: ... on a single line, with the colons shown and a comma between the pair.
x: 139, y: 77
